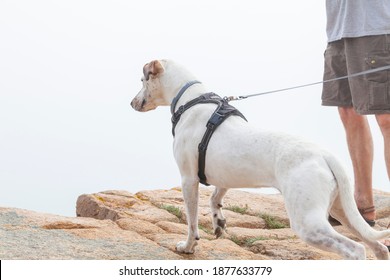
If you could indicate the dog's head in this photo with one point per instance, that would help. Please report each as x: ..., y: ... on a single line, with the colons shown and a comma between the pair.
x: 151, y: 95
x: 161, y: 81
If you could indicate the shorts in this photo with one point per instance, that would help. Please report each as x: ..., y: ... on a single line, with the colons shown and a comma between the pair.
x: 368, y: 94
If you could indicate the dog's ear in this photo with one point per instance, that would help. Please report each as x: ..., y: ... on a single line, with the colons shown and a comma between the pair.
x: 152, y: 68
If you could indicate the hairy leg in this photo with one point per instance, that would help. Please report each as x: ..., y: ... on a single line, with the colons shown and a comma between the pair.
x: 384, y: 124
x: 360, y: 147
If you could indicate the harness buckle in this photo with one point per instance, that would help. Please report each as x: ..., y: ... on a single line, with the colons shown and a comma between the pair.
x: 180, y: 110
x: 215, y: 120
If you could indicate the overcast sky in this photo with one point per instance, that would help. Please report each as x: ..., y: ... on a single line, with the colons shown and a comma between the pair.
x: 69, y: 69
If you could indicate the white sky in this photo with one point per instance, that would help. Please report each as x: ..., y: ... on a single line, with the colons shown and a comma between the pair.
x: 69, y: 69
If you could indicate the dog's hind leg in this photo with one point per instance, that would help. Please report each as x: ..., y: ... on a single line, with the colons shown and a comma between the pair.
x: 191, y: 197
x: 315, y: 229
x: 380, y: 250
x: 219, y: 221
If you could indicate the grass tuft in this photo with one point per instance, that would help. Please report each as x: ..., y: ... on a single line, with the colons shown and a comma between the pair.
x: 247, y: 242
x: 238, y: 209
x: 273, y: 222
x: 173, y: 210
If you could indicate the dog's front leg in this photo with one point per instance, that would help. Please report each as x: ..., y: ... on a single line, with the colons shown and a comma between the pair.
x: 191, y: 197
x: 219, y: 221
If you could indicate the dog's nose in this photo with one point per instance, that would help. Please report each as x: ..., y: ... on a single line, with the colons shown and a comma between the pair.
x: 137, y: 104
x: 133, y: 104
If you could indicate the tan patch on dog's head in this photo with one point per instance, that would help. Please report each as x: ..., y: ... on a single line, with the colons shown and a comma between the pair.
x: 152, y: 69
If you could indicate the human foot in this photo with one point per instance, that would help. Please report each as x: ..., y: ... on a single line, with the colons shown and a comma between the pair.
x: 368, y: 215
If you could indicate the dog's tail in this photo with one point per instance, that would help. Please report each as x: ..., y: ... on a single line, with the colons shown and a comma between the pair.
x: 348, y: 202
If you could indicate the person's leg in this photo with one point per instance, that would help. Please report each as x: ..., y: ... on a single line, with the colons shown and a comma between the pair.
x: 384, y: 124
x: 360, y: 147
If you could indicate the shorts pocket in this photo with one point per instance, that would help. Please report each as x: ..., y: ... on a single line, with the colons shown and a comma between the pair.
x: 379, y: 96
x: 376, y: 60
x: 378, y: 82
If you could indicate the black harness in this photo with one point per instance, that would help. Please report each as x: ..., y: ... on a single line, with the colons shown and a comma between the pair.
x: 221, y: 113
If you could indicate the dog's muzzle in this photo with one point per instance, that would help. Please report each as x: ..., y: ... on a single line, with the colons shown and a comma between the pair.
x: 138, y: 104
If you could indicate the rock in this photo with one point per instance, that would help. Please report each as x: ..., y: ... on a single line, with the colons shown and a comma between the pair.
x: 170, y: 227
x: 219, y: 249
x: 245, y: 235
x: 243, y: 220
x: 149, y: 224
x: 30, y: 235
x: 382, y: 204
x: 113, y: 205
x: 290, y: 249
x: 139, y: 226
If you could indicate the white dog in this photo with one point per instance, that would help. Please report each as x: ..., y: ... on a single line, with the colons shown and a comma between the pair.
x: 311, y: 180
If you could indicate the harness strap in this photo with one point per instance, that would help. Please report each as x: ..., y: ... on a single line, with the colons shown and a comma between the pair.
x: 181, y: 92
x: 221, y: 113
x: 205, y: 98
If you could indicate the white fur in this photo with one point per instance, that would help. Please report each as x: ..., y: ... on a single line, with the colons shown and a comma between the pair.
x: 312, y: 181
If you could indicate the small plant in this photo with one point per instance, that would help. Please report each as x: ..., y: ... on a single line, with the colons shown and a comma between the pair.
x: 247, y: 242
x: 206, y: 230
x: 238, y: 209
x: 236, y: 240
x: 272, y: 222
x: 250, y: 241
x: 173, y: 210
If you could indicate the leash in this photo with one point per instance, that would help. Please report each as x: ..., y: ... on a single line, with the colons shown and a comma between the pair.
x: 241, y: 97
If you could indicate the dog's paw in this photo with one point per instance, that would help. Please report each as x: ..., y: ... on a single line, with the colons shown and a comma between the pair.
x: 218, y: 232
x: 182, y: 247
x: 221, y: 225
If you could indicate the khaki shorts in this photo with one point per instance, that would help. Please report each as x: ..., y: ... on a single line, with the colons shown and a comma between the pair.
x: 368, y: 94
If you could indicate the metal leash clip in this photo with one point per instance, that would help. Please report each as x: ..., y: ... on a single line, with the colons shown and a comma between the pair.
x: 233, y: 98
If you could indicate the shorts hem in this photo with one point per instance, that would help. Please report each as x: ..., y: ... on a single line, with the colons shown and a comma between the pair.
x: 335, y: 103
x: 373, y: 112
x: 360, y: 112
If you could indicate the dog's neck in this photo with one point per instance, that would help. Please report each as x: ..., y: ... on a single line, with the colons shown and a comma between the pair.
x: 180, y: 99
